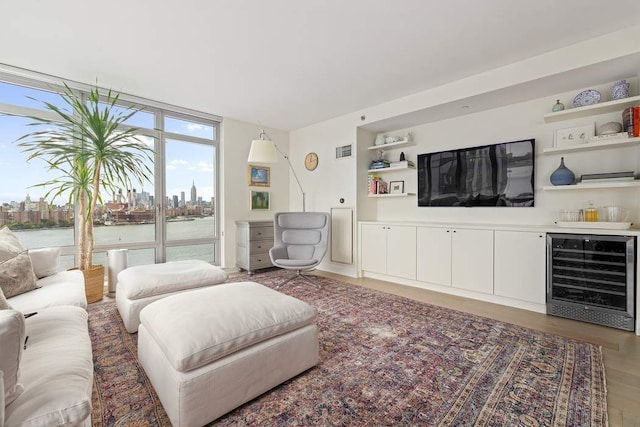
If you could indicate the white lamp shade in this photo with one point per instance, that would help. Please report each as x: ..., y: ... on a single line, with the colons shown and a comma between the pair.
x: 262, y: 151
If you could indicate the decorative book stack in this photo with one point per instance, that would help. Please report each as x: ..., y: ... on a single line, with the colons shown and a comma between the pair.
x: 379, y: 164
x: 609, y: 137
x: 631, y: 121
x: 402, y: 164
x: 607, y: 177
x: 377, y: 185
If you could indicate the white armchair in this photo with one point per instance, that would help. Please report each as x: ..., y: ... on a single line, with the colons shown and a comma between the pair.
x: 300, y: 242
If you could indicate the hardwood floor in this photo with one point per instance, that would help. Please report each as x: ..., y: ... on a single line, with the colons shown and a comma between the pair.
x: 621, y: 349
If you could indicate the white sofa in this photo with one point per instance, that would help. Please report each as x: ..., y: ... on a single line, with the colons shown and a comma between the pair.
x: 48, y: 376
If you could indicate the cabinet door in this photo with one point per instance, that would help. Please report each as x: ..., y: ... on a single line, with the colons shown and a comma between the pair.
x: 472, y: 260
x: 401, y: 251
x: 520, y: 265
x: 374, y: 248
x: 434, y: 255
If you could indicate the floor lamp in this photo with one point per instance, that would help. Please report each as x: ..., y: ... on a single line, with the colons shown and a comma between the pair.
x: 264, y: 150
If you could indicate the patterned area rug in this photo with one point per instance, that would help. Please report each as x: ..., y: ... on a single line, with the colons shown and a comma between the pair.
x: 385, y: 360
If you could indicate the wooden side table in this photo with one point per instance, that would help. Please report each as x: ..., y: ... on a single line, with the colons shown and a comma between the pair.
x: 253, y: 241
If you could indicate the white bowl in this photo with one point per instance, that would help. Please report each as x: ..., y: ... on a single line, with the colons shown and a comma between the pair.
x: 610, y: 127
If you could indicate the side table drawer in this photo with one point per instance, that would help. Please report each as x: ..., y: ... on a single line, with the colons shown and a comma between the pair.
x: 259, y: 261
x: 260, y: 246
x: 261, y: 233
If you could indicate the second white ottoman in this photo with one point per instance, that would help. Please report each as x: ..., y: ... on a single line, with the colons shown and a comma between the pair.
x: 209, y: 351
x: 141, y: 285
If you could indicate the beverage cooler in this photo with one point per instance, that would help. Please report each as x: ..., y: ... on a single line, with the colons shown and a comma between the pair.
x: 592, y: 278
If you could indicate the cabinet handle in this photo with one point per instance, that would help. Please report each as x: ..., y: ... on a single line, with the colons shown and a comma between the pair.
x: 454, y: 231
x: 447, y: 231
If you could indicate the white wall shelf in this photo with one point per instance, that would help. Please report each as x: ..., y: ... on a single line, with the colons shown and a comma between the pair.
x: 403, y: 168
x: 590, y: 110
x: 393, y: 195
x: 601, y: 145
x: 391, y: 146
x: 593, y: 186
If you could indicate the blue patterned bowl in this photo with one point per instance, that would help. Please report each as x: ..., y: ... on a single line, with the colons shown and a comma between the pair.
x: 587, y: 97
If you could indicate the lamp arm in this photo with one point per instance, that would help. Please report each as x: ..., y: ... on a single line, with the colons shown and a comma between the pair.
x: 294, y: 174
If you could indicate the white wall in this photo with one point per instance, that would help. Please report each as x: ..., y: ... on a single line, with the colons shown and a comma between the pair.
x: 511, y: 123
x: 516, y: 121
x: 559, y: 68
x: 333, y: 179
x: 236, y: 139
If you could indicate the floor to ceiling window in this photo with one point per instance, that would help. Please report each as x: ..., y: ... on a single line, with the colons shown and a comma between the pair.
x: 190, y: 187
x: 171, y: 217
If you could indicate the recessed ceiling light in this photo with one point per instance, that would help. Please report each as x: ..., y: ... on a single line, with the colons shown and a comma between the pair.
x: 465, y: 107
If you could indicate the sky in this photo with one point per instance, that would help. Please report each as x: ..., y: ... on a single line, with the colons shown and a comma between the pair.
x: 187, y: 162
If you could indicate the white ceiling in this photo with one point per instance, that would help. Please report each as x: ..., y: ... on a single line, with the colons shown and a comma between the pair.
x: 290, y: 63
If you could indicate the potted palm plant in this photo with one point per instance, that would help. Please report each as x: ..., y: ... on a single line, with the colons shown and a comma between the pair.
x: 88, y: 147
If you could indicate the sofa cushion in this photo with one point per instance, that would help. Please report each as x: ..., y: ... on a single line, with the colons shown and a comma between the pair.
x: 16, y: 271
x: 4, y: 304
x: 9, y: 243
x: 12, y: 336
x: 45, y: 261
x: 1, y: 399
x: 16, y: 275
x: 64, y: 288
x: 221, y: 320
x: 56, y: 371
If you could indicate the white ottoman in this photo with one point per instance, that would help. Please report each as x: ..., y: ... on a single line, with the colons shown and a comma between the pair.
x: 141, y: 285
x: 209, y: 351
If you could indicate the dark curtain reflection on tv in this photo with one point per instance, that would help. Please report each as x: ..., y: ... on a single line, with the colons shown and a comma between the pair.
x: 492, y: 175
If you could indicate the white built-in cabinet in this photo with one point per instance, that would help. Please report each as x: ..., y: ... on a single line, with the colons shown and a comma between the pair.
x: 433, y: 249
x: 472, y: 260
x: 498, y: 264
x: 455, y: 257
x: 520, y: 265
x: 389, y: 249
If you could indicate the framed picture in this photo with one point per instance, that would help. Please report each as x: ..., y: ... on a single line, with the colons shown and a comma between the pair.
x: 259, y: 176
x: 259, y: 200
x: 574, y: 135
x: 396, y: 187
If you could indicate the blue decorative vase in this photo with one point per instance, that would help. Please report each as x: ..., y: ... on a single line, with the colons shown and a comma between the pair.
x: 562, y: 175
x: 620, y: 90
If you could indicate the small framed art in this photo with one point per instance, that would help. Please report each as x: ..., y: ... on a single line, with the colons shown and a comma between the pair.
x: 574, y: 135
x: 259, y: 176
x: 259, y: 200
x: 396, y: 187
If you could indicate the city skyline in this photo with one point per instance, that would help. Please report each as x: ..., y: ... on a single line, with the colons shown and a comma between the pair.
x: 127, y: 206
x: 141, y: 196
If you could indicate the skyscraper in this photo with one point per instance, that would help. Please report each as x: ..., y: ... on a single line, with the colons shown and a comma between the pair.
x: 194, y: 197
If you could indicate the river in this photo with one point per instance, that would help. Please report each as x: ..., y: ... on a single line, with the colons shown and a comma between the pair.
x: 128, y: 234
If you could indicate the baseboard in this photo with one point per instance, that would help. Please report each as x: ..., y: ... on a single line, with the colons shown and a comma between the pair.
x: 495, y: 299
x: 348, y: 271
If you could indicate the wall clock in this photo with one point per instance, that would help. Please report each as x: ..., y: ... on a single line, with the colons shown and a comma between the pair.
x: 311, y: 161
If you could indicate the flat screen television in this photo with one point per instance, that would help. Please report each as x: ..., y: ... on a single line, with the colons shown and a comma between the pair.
x: 489, y: 175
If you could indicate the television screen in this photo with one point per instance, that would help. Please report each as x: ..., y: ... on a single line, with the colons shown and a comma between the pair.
x: 490, y: 175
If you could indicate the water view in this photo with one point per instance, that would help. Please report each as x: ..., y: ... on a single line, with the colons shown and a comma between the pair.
x: 184, y: 228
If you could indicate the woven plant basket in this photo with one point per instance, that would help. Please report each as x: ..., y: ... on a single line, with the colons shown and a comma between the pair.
x: 93, y: 283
